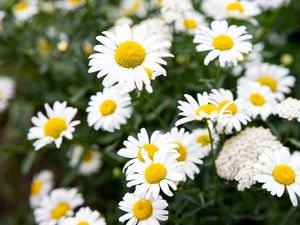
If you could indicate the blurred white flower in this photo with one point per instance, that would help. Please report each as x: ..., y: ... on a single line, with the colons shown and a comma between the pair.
x: 7, y: 91
x: 25, y: 9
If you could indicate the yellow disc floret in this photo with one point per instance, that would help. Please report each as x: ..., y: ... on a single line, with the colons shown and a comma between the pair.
x: 207, y: 109
x: 21, y: 6
x: 235, y: 6
x: 223, y: 42
x: 36, y: 187
x: 231, y: 108
x: 181, y: 149
x: 108, y: 107
x: 284, y: 174
x: 88, y: 156
x: 257, y: 99
x: 269, y: 82
x: 190, y: 24
x: 203, y: 139
x: 54, y: 127
x: 60, y: 210
x: 150, y: 148
x: 142, y: 209
x: 83, y: 223
x: 155, y: 173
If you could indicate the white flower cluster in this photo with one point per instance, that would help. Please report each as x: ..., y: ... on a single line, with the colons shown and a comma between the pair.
x: 288, y: 109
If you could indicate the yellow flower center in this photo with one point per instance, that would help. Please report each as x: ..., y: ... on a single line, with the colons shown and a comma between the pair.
x: 284, y: 174
x: 88, y: 156
x: 268, y: 81
x: 54, y: 127
x: 150, y: 148
x: 130, y: 54
x: 207, y: 109
x: 60, y: 210
x: 75, y: 2
x: 83, y: 223
x: 257, y: 99
x: 181, y: 149
x: 235, y: 6
x: 149, y: 72
x: 108, y: 107
x: 223, y: 42
x: 142, y: 209
x: 21, y: 6
x: 132, y: 9
x: 203, y: 140
x: 36, y: 187
x: 155, y: 173
x: 44, y: 45
x: 230, y: 109
x: 190, y: 23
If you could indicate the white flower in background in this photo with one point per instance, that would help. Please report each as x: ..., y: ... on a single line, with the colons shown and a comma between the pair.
x: 171, y: 10
x: 152, y: 144
x: 227, y: 43
x: 259, y: 100
x: 277, y: 78
x: 152, y: 176
x: 190, y: 22
x: 199, y: 109
x: 89, y: 160
x: 69, y: 5
x: 110, y: 109
x: 54, y: 126
x: 41, y: 185
x: 123, y: 57
x: 202, y: 138
x: 130, y: 8
x: 239, y: 154
x: 2, y: 15
x: 243, y: 10
x: 279, y: 171
x: 139, y: 210
x: 25, y: 9
x: 288, y: 109
x: 84, y: 216
x: 231, y: 112
x: 59, y: 204
x: 271, y: 4
x: 188, y: 151
x: 7, y: 91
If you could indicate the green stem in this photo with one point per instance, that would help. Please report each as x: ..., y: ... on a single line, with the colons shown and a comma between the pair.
x: 217, y: 76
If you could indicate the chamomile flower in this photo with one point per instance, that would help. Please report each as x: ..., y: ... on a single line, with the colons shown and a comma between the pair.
x: 125, y: 55
x: 203, y: 140
x: 41, y: 185
x: 188, y: 151
x: 110, y: 109
x: 54, y: 126
x: 199, y: 109
x: 150, y: 143
x: 280, y: 170
x: 133, y: 8
x: 277, y: 78
x: 25, y: 9
x: 227, y: 43
x: 89, y: 160
x: 152, y: 176
x: 59, y: 204
x: 271, y: 4
x: 190, y: 22
x: 231, y: 112
x: 84, y: 216
x: 259, y: 100
x: 140, y: 210
x: 69, y: 5
x: 7, y: 91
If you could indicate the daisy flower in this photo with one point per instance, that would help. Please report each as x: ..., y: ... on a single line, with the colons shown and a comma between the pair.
x: 133, y: 8
x: 272, y: 4
x: 259, y: 100
x: 227, y: 43
x: 89, y: 160
x: 59, y: 204
x: 124, y: 55
x: 188, y: 151
x: 54, y: 126
x: 231, y: 111
x: 172, y: 10
x: 109, y: 109
x: 279, y: 171
x: 196, y: 110
x: 150, y: 143
x: 139, y: 210
x: 152, y: 176
x: 69, y: 5
x: 41, y: 185
x: 202, y: 138
x: 84, y: 216
x: 7, y: 91
x: 277, y: 78
x: 190, y: 22
x: 25, y: 9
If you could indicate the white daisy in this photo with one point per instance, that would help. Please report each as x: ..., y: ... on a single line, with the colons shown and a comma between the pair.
x: 25, y: 9
x: 227, y: 43
x: 188, y: 151
x: 89, y: 160
x: 109, y: 109
x: 84, y: 216
x: 259, y: 100
x: 140, y: 210
x: 41, y: 185
x: 277, y: 78
x: 271, y: 4
x: 7, y: 91
x: 59, y: 204
x: 231, y: 111
x: 123, y: 57
x: 69, y: 5
x: 151, y: 176
x: 53, y: 127
x: 171, y: 10
x: 190, y: 22
x: 133, y: 8
x: 280, y: 170
x: 202, y: 138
